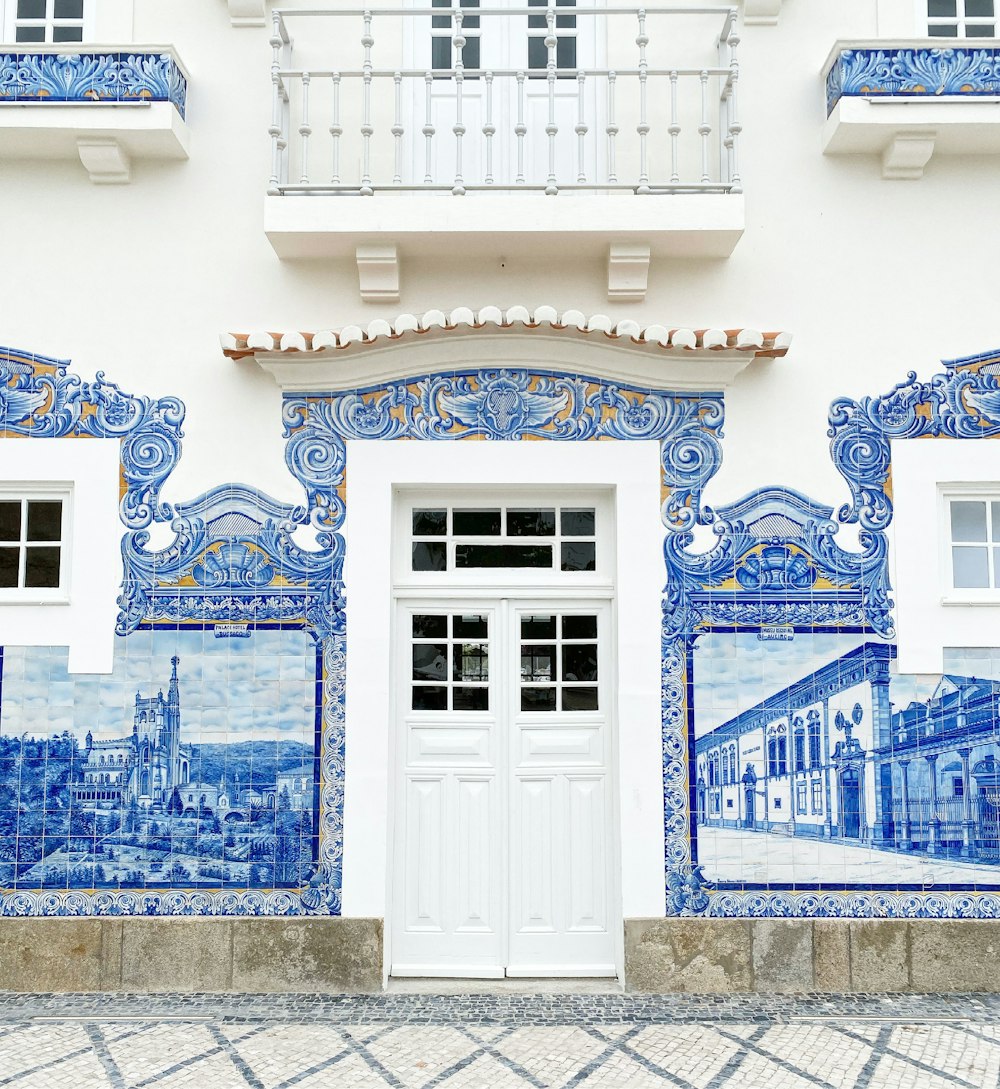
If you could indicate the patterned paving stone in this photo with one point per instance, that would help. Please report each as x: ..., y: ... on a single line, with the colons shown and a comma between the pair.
x: 475, y: 1042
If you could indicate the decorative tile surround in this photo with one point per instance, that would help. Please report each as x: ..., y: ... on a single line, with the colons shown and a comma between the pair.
x: 800, y: 775
x: 41, y: 75
x: 913, y: 72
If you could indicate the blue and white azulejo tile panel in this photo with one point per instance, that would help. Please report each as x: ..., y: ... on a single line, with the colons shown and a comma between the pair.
x: 801, y: 775
x: 193, y: 765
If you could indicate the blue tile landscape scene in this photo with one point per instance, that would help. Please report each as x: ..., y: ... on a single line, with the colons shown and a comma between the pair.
x: 193, y: 764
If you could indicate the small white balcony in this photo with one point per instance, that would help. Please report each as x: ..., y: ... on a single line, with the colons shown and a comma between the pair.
x: 909, y: 100
x: 105, y: 104
x: 504, y: 129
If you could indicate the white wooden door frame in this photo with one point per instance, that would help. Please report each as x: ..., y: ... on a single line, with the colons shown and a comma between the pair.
x: 504, y: 771
x: 632, y: 471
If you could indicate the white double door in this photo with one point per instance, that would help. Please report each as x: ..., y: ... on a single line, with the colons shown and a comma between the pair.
x: 504, y: 44
x: 503, y: 806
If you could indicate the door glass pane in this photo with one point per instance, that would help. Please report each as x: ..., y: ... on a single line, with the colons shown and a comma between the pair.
x: 430, y: 698
x: 67, y: 34
x: 476, y: 523
x: 579, y: 662
x: 470, y: 699
x: 430, y: 523
x: 44, y: 521
x: 538, y: 627
x: 968, y: 520
x: 30, y: 34
x: 430, y: 556
x: 531, y: 523
x: 68, y: 9
x: 10, y: 521
x: 467, y: 556
x: 566, y: 53
x: 975, y: 9
x: 31, y: 9
x: 430, y: 661
x: 470, y: 662
x: 579, y: 627
x: 8, y: 566
x: 538, y: 663
x: 971, y: 568
x: 982, y: 30
x: 538, y: 54
x: 429, y: 626
x: 579, y: 556
x: 943, y: 30
x: 942, y: 8
x: 538, y: 699
x: 579, y: 699
x: 42, y: 567
x: 469, y: 627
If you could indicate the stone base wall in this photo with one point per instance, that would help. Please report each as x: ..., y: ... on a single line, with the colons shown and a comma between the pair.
x: 317, y: 955
x: 335, y: 955
x: 715, y: 956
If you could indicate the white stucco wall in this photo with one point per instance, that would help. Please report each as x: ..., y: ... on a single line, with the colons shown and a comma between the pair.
x: 872, y: 277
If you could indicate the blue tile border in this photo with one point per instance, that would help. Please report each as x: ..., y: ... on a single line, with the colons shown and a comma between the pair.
x: 129, y: 76
x: 917, y: 72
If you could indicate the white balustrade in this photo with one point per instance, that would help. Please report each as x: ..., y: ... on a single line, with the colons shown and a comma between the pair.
x: 472, y: 107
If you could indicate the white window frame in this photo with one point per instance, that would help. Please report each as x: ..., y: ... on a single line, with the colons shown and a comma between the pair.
x: 968, y: 492
x: 960, y: 21
x: 552, y: 579
x: 46, y: 491
x: 11, y: 22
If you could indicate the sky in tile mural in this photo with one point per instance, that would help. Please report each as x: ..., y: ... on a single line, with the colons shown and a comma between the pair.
x: 191, y: 765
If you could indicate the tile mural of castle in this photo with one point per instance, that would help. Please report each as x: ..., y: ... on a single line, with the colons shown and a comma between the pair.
x: 108, y: 782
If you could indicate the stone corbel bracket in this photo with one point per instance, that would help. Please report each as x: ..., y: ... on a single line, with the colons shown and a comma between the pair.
x: 248, y: 12
x: 757, y: 12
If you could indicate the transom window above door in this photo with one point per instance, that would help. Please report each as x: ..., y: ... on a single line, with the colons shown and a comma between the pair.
x: 961, y: 18
x: 542, y: 538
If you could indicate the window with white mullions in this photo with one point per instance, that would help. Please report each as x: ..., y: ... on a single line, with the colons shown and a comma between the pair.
x: 31, y: 544
x: 443, y: 34
x: 450, y: 662
x: 961, y: 18
x: 975, y: 543
x: 538, y: 51
x: 49, y: 20
x: 559, y: 662
x: 513, y: 538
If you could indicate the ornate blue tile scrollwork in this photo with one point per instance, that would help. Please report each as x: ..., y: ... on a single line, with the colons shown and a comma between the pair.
x: 38, y: 399
x: 913, y: 72
x: 506, y: 405
x: 775, y: 562
x: 234, y: 560
x: 961, y: 403
x: 132, y: 76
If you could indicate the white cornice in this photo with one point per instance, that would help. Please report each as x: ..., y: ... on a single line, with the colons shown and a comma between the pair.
x: 653, y: 355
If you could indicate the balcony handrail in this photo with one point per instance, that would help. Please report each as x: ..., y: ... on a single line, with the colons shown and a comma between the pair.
x: 489, y: 104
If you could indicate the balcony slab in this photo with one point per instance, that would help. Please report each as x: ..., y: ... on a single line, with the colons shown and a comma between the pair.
x: 108, y: 108
x: 681, y: 225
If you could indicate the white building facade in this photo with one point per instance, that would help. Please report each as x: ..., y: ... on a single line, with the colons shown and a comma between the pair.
x: 519, y: 432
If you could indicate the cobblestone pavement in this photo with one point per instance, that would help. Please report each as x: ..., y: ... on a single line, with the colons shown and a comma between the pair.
x: 421, y: 1041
